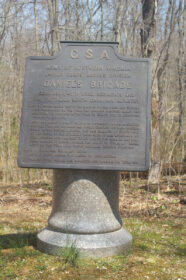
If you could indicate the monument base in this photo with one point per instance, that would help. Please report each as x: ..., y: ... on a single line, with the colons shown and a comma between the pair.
x: 85, y: 213
x: 89, y: 245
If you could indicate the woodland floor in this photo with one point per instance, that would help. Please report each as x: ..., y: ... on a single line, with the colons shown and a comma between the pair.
x: 155, y: 218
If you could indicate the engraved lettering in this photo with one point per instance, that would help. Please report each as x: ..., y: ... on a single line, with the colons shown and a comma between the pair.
x: 79, y: 84
x: 111, y: 84
x: 89, y: 53
x: 104, y: 55
x: 63, y: 84
x: 89, y: 111
x: 92, y: 84
x: 74, y: 54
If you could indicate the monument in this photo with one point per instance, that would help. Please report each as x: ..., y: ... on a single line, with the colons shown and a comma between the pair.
x: 86, y: 114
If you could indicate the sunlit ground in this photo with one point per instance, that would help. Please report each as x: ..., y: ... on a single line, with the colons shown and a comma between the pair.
x: 158, y: 251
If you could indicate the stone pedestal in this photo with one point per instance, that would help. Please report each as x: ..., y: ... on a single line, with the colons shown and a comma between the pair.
x: 85, y: 211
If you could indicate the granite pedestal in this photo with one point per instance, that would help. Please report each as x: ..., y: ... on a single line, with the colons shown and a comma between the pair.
x: 85, y: 212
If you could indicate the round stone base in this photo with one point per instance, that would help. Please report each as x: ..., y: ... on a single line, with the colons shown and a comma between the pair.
x: 89, y: 245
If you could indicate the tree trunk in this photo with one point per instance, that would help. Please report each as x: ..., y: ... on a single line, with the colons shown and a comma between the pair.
x: 117, y: 27
x: 162, y: 68
x: 149, y: 11
x: 78, y: 31
x: 148, y: 33
x: 67, y: 37
x: 181, y: 74
x: 53, y: 9
x: 102, y: 20
x: 36, y: 28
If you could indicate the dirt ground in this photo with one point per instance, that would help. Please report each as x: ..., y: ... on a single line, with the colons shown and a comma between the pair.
x: 154, y: 215
x: 23, y: 203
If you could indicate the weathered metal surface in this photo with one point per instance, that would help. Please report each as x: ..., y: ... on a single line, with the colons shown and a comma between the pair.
x: 86, y: 108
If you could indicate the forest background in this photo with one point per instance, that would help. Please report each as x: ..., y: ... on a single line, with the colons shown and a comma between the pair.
x: 143, y: 28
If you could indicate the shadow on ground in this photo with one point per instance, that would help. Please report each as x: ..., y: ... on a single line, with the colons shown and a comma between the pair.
x: 17, y: 240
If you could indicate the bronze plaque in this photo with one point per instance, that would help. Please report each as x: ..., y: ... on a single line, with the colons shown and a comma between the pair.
x: 87, y: 108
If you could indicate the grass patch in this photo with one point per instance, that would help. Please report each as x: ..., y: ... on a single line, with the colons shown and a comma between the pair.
x: 70, y: 254
x: 158, y: 253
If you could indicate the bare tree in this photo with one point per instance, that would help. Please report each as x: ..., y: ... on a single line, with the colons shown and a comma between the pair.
x: 162, y: 66
x: 181, y: 69
x: 53, y: 9
x: 102, y: 20
x: 118, y: 23
x: 78, y: 28
x: 141, y: 28
x: 5, y: 10
x: 149, y: 12
x: 36, y: 27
